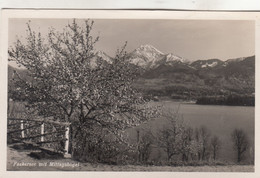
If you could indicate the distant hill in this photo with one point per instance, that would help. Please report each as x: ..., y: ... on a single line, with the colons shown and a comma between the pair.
x: 205, y: 64
x: 172, y: 76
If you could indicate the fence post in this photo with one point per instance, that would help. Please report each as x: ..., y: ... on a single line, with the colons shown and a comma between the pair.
x: 67, y: 141
x: 42, y: 132
x: 22, y: 127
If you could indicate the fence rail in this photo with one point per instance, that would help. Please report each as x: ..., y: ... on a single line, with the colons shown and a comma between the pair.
x: 19, y: 126
x: 42, y: 120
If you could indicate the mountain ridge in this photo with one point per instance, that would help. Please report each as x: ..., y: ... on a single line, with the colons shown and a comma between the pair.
x: 173, y: 76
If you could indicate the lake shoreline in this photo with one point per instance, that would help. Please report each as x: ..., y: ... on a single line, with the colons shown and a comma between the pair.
x: 181, y: 101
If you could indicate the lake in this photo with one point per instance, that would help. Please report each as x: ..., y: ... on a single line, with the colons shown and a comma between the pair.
x: 220, y: 120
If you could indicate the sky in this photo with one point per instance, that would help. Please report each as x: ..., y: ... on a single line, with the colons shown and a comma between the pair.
x: 190, y: 39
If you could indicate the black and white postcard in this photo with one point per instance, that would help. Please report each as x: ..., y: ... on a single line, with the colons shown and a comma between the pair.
x: 130, y: 91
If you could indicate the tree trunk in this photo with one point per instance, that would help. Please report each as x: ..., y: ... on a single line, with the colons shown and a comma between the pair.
x: 214, y: 153
x: 238, y: 156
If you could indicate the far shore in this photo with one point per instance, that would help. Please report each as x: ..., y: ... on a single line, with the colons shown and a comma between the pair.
x: 183, y: 101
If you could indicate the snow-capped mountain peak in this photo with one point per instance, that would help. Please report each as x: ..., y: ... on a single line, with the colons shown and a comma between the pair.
x: 213, y: 64
x: 235, y: 59
x: 104, y: 56
x: 100, y: 53
x: 149, y: 49
x: 172, y: 57
x: 145, y: 56
x: 209, y: 63
x: 147, y: 52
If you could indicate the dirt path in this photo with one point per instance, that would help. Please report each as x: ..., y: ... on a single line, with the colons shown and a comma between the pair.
x: 18, y: 160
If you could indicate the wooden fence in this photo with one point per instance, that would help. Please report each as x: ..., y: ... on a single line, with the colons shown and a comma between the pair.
x: 46, y: 134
